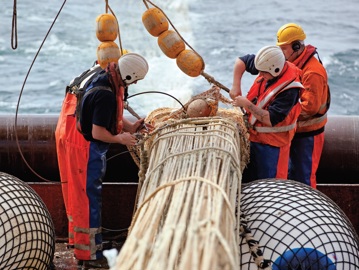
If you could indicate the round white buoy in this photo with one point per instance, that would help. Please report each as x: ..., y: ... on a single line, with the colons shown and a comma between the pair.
x: 297, y: 227
x: 27, y: 234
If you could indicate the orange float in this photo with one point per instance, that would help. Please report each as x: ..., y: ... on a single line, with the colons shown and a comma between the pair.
x: 106, y: 27
x: 107, y: 52
x: 190, y: 63
x: 154, y: 21
x: 170, y: 43
x: 198, y: 108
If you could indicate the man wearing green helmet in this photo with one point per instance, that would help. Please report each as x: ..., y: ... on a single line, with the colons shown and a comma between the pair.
x: 307, y: 144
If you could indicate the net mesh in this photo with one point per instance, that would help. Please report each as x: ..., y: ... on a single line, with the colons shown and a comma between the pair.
x: 27, y: 235
x: 283, y: 224
x: 297, y: 227
x: 187, y: 196
x: 163, y: 116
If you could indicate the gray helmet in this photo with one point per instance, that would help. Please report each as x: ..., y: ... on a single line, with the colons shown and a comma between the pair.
x: 132, y: 67
x: 270, y: 59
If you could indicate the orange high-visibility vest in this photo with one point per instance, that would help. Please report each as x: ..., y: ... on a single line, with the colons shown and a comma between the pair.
x: 282, y: 133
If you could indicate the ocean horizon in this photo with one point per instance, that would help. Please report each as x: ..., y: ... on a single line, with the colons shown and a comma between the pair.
x: 218, y: 35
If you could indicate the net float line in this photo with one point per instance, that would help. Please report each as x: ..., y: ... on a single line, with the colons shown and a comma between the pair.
x: 107, y: 30
x: 187, y: 204
x: 173, y: 45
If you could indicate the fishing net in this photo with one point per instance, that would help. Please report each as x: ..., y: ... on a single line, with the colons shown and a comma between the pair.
x: 187, y: 199
x: 297, y: 227
x: 192, y: 214
x: 27, y: 235
x: 212, y: 98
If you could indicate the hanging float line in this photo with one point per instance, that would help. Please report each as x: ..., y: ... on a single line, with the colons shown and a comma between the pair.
x: 26, y: 77
x: 208, y: 77
x: 144, y: 1
x: 118, y: 26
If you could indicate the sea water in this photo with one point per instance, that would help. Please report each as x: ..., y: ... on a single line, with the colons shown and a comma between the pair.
x: 35, y: 74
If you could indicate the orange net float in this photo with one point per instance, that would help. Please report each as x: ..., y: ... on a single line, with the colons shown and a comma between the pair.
x: 190, y: 63
x: 171, y: 44
x: 154, y: 21
x: 198, y: 108
x: 106, y: 27
x: 107, y: 52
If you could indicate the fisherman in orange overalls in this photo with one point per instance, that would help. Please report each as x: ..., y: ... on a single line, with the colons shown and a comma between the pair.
x: 66, y: 135
x: 307, y: 144
x: 101, y: 123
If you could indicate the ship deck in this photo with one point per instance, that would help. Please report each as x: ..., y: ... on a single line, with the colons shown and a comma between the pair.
x: 64, y: 257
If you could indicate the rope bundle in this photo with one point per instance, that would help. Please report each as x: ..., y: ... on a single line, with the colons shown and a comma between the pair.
x: 212, y: 97
x: 187, y: 205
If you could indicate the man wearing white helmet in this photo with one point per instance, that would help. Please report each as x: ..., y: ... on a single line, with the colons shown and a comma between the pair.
x: 308, y: 142
x: 272, y: 105
x: 101, y: 122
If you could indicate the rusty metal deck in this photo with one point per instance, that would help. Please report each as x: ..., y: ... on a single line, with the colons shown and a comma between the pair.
x: 64, y: 257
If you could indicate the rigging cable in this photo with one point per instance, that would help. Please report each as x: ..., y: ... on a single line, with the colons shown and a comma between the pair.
x: 22, y: 89
x: 14, y: 28
x: 159, y: 92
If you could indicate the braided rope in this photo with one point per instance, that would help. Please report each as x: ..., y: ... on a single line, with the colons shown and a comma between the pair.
x: 253, y: 245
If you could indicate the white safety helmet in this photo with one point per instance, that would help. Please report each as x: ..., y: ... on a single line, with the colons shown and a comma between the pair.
x: 270, y: 59
x: 132, y: 67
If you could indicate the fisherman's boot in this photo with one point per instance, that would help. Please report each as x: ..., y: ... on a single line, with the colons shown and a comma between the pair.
x: 100, y: 263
